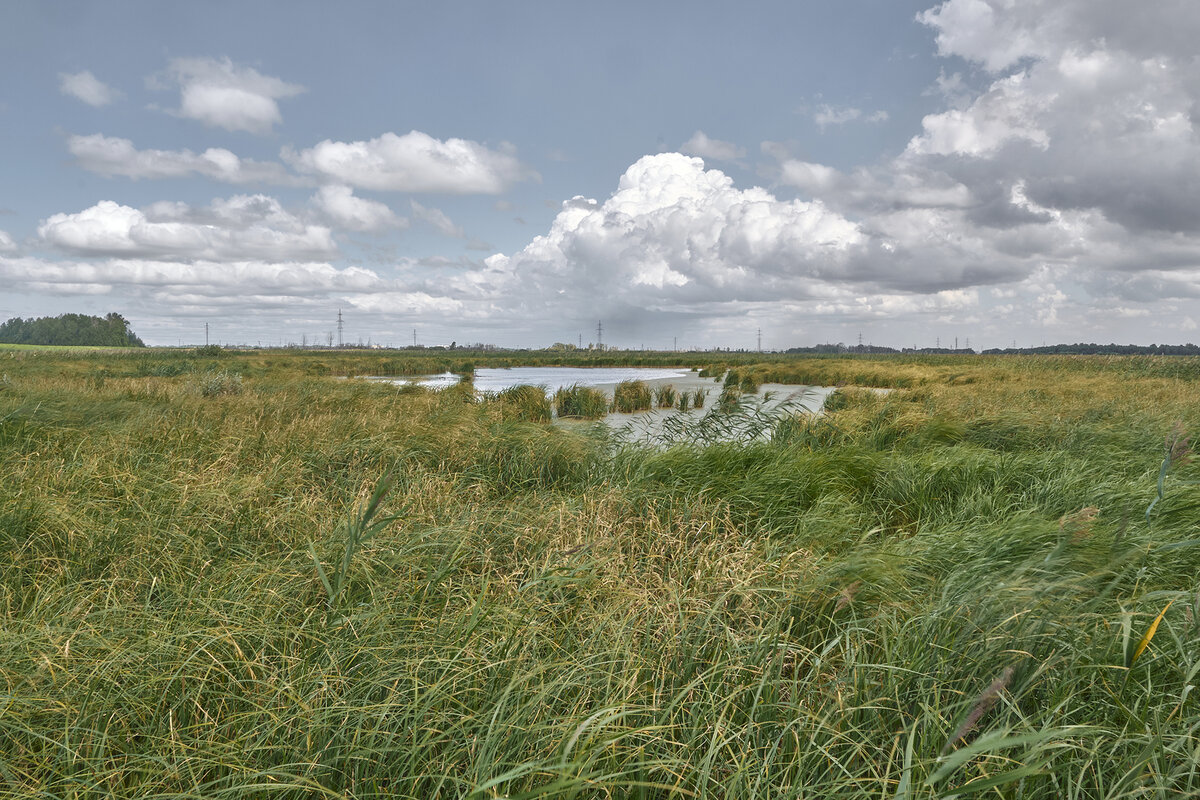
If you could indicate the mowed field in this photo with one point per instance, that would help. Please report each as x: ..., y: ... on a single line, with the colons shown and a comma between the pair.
x: 253, y: 575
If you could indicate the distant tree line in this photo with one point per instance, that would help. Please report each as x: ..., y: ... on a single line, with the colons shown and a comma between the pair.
x: 79, y: 330
x: 1079, y: 349
x: 1093, y: 349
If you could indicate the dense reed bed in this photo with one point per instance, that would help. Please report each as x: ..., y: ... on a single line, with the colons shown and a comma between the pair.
x: 237, y: 576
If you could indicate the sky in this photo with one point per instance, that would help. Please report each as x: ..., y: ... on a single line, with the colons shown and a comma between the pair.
x: 986, y: 172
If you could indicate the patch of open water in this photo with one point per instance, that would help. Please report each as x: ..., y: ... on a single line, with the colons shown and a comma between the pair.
x: 641, y: 425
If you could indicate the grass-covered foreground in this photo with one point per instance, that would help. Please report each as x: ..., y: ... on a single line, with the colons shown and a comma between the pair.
x: 946, y: 590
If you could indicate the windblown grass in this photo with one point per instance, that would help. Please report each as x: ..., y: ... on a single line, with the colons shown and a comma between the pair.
x: 631, y: 396
x: 951, y: 589
x: 580, y: 402
x: 524, y: 403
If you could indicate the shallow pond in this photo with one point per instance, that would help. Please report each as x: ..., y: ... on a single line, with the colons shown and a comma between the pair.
x: 553, y: 378
x: 643, y: 425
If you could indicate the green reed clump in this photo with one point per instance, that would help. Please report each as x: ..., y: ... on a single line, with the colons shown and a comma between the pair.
x: 685, y: 401
x: 664, y: 396
x: 631, y: 396
x: 581, y: 402
x: 698, y: 397
x: 748, y: 384
x: 524, y: 403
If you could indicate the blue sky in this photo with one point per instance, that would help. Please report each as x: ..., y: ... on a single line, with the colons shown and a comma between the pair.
x: 992, y: 170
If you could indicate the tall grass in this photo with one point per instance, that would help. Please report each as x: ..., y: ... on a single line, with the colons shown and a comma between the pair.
x: 948, y: 590
x: 524, y: 403
x: 581, y: 402
x: 631, y: 396
x: 664, y: 396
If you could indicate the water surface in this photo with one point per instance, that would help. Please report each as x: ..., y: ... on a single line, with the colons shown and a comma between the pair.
x: 493, y: 379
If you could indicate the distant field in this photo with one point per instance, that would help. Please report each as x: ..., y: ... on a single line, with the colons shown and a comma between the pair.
x: 229, y: 574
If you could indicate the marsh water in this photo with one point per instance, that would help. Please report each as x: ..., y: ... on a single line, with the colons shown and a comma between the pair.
x: 555, y: 378
x: 640, y: 425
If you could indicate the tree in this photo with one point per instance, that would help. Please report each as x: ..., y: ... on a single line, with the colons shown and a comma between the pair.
x: 111, y: 330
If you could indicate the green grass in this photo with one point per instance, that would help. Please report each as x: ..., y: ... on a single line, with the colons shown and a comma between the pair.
x: 941, y: 591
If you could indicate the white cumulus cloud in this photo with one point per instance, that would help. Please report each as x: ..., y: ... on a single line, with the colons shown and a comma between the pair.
x: 340, y: 206
x: 7, y: 245
x: 86, y: 87
x: 673, y: 234
x: 222, y: 94
x: 414, y: 162
x: 244, y: 227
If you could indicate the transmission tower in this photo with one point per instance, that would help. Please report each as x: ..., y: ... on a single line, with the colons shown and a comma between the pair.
x: 339, y: 327
x: 599, y: 334
x: 760, y: 340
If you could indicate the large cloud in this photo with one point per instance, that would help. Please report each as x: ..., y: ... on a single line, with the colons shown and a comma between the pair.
x: 414, y: 162
x: 674, y: 234
x: 243, y: 227
x: 1077, y: 153
x: 1094, y: 113
x: 113, y: 156
x: 222, y: 94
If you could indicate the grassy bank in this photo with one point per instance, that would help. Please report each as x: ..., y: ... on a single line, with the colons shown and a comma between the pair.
x: 938, y: 591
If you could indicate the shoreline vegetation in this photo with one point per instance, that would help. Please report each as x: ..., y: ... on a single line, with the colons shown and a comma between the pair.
x: 227, y: 574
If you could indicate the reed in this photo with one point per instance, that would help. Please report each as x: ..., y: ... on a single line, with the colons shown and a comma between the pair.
x: 632, y: 396
x: 580, y: 402
x: 665, y: 395
x: 524, y: 403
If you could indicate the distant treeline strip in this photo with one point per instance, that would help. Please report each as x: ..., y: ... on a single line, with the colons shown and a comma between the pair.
x: 1079, y: 349
x: 78, y: 330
